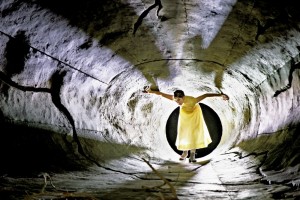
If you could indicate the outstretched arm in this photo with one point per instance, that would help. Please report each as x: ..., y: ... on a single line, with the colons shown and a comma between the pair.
x: 201, y: 97
x: 167, y: 96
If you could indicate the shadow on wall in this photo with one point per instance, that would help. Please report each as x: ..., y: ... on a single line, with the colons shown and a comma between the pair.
x: 205, y: 65
x: 16, y: 53
x: 281, y: 149
x: 213, y: 124
x: 110, y: 23
x: 25, y: 150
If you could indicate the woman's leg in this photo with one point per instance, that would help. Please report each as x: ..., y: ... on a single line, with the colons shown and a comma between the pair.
x: 183, y: 155
x: 193, y: 156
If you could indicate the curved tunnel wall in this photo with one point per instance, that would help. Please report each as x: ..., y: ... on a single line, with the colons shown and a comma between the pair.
x: 109, y: 106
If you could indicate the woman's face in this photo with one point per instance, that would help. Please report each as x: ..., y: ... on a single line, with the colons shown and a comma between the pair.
x: 179, y: 100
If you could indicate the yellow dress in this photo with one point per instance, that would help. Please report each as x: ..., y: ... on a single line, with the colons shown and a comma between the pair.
x: 192, y: 132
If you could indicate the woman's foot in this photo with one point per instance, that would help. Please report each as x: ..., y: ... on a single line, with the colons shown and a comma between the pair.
x: 183, y: 155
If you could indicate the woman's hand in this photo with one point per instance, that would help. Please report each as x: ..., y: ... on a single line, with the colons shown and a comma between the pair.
x: 147, y: 89
x: 225, y: 97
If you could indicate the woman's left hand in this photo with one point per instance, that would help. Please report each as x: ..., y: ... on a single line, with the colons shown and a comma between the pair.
x: 225, y: 97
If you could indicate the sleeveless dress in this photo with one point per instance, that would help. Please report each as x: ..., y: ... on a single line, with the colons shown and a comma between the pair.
x: 192, y: 132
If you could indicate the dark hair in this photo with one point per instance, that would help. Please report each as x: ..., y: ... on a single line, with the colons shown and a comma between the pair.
x: 179, y: 93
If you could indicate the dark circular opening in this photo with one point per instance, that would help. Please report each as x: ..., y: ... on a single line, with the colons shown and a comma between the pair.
x: 213, y: 124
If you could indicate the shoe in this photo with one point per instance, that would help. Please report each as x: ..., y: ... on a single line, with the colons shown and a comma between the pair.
x: 183, y: 155
x: 192, y: 157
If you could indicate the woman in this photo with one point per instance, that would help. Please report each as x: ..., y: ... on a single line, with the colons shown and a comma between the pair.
x: 191, y: 131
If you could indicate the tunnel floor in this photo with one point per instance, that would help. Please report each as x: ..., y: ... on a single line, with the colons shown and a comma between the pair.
x: 232, y: 175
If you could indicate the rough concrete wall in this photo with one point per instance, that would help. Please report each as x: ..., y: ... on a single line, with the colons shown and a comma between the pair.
x: 90, y: 81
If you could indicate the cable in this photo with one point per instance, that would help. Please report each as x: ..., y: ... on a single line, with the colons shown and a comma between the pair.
x: 54, y: 58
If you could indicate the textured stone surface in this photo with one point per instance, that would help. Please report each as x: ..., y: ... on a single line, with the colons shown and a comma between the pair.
x: 228, y: 176
x: 71, y: 101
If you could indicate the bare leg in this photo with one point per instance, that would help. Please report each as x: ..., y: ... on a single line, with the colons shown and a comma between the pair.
x: 183, y: 155
x: 193, y: 156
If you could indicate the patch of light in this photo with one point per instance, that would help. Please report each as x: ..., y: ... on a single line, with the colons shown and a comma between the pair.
x: 208, y: 17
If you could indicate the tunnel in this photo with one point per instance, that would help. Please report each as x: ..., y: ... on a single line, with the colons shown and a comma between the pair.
x: 77, y: 124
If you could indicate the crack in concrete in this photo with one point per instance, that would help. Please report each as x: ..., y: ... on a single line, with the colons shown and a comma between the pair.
x: 294, y: 66
x: 139, y: 21
x: 181, y: 59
